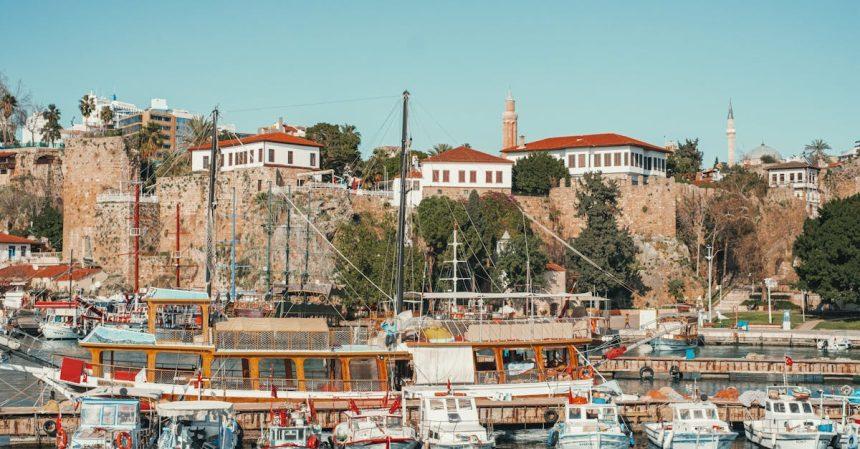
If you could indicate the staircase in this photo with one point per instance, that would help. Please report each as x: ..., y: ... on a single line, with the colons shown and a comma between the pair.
x: 732, y: 300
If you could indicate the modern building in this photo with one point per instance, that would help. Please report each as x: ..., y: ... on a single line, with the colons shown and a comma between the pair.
x: 275, y: 149
x: 456, y: 172
x: 172, y: 122
x: 14, y: 248
x: 799, y: 176
x: 612, y: 154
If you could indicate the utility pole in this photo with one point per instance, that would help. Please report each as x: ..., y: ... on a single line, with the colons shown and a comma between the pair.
x: 287, y: 245
x: 710, y: 258
x: 136, y: 234
x: 233, y: 249
x: 269, y: 231
x: 305, y: 274
x: 210, y: 209
x: 401, y: 213
x: 176, y: 257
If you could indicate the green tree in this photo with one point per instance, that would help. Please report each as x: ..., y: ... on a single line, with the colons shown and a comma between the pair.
x: 522, y: 262
x: 686, y: 161
x: 106, y: 116
x: 603, y: 242
x: 87, y: 105
x: 537, y: 173
x: 767, y: 159
x: 196, y: 131
x: 816, y: 151
x: 744, y: 181
x: 48, y: 223
x: 149, y: 140
x: 340, y: 143
x: 8, y: 104
x: 440, y: 148
x: 51, y: 130
x: 829, y: 251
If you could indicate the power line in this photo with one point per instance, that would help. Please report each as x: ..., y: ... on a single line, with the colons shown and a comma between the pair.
x: 319, y: 103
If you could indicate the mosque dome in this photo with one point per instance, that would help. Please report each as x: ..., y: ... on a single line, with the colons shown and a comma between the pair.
x: 755, y: 154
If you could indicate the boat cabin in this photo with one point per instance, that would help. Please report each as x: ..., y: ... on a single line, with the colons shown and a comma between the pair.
x: 592, y: 412
x: 105, y: 421
x: 696, y: 411
x: 196, y: 424
x: 451, y: 419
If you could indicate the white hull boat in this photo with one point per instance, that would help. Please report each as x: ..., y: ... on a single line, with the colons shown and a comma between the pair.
x: 789, y: 422
x: 450, y: 421
x: 693, y: 426
x: 589, y: 423
x: 58, y: 331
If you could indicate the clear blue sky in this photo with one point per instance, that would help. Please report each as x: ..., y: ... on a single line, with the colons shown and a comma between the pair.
x: 651, y: 70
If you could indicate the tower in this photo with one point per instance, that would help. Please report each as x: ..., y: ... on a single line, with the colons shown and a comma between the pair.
x: 509, y: 123
x: 730, y: 134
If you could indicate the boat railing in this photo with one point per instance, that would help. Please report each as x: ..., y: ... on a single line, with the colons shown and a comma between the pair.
x: 498, y: 329
x: 292, y: 341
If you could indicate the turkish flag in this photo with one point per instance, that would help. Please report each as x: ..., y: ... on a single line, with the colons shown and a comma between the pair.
x: 788, y: 361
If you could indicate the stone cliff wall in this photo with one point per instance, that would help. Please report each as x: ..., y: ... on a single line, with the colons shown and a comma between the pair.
x: 43, y: 165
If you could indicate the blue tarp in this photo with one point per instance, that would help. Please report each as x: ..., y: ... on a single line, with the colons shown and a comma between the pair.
x: 107, y: 334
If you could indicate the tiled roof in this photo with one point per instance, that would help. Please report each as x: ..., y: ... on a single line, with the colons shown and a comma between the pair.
x: 23, y: 272
x: 79, y: 273
x: 276, y: 137
x: 413, y: 174
x: 790, y: 165
x: 468, y: 155
x: 6, y: 238
x: 584, y: 141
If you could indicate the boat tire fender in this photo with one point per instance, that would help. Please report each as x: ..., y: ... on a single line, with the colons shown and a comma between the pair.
x: 676, y: 373
x: 550, y: 417
x: 646, y: 373
x: 552, y: 438
x: 50, y: 427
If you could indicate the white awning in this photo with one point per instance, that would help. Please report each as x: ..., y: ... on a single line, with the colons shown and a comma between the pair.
x: 191, y: 408
x: 438, y: 366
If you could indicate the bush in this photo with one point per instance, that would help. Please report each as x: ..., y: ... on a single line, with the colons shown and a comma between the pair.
x: 537, y: 173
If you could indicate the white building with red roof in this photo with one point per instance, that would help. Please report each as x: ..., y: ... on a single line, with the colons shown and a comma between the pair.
x: 14, y: 248
x: 612, y: 154
x: 456, y: 172
x: 273, y: 149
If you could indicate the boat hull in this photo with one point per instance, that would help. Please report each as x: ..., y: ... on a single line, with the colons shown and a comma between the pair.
x: 668, y: 344
x: 487, y: 445
x: 379, y: 444
x: 59, y: 332
x: 594, y: 440
x: 785, y: 440
x: 665, y: 439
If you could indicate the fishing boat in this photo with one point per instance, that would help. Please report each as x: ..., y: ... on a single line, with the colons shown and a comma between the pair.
x: 677, y: 332
x: 198, y: 424
x: 109, y: 424
x: 450, y: 421
x: 61, y: 320
x: 590, y: 421
x: 833, y: 344
x: 789, y: 422
x: 292, y: 428
x: 694, y: 425
x: 377, y: 428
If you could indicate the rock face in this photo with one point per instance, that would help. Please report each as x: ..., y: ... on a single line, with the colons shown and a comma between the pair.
x: 42, y: 165
x: 662, y: 259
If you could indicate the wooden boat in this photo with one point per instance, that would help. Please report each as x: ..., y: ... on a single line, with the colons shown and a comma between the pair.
x: 589, y: 422
x: 61, y: 320
x: 110, y: 424
x: 450, y: 421
x: 378, y: 428
x: 292, y: 428
x: 198, y: 424
x: 789, y: 423
x: 694, y: 425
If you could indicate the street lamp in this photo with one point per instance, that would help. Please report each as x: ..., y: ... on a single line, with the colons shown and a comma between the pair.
x: 710, y: 258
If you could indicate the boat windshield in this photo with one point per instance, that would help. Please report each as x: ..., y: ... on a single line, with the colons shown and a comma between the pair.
x: 108, y: 415
x: 289, y: 434
x: 386, y: 421
x: 697, y: 413
x: 606, y: 414
x: 792, y: 407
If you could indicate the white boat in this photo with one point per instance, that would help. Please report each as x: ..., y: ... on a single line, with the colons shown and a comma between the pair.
x: 380, y: 428
x: 110, y: 424
x: 789, y: 422
x: 694, y: 425
x: 291, y: 428
x: 450, y: 421
x: 833, y: 344
x: 589, y: 422
x: 61, y: 320
x: 198, y: 424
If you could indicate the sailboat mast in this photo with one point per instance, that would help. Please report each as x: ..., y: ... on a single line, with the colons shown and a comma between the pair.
x: 401, y: 213
x: 210, y: 207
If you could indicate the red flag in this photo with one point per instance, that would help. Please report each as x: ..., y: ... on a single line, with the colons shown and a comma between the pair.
x: 313, y: 409
x: 788, y: 361
x: 449, y: 386
x: 354, y: 407
x: 395, y: 406
x: 569, y: 397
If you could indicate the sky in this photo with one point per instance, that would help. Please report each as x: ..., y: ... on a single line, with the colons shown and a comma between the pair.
x: 656, y: 71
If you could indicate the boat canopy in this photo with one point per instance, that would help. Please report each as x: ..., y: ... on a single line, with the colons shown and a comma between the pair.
x: 172, y: 294
x: 114, y: 335
x: 522, y: 332
x: 192, y: 408
x: 437, y: 366
x: 272, y: 325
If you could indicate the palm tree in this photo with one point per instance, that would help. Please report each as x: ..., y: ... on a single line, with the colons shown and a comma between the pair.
x: 51, y: 130
x: 440, y: 148
x: 815, y: 151
x: 150, y: 141
x: 8, y: 103
x: 196, y: 131
x: 106, y: 116
x: 87, y: 105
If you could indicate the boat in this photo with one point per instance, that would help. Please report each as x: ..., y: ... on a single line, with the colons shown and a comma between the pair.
x: 677, y: 332
x: 693, y: 425
x: 789, y: 422
x: 833, y: 344
x: 110, y: 424
x: 292, y: 428
x: 590, y: 421
x: 450, y: 421
x: 61, y: 320
x: 377, y: 428
x: 198, y: 424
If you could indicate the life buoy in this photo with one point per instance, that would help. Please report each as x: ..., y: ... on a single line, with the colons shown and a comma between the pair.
x: 646, y: 373
x: 50, y: 427
x: 123, y: 440
x: 62, y: 439
x: 313, y: 442
x: 550, y: 417
x: 586, y: 372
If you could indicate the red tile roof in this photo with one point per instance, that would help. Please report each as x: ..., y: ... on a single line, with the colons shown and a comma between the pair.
x: 51, y: 271
x: 79, y: 273
x: 6, y: 238
x: 413, y: 174
x: 584, y: 141
x: 25, y: 272
x: 465, y: 154
x: 554, y: 267
x: 790, y: 165
x: 6, y: 153
x: 276, y: 137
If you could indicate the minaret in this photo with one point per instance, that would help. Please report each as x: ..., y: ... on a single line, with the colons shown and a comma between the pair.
x: 509, y: 123
x: 730, y: 134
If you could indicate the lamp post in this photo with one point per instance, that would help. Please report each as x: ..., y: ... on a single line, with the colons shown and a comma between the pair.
x: 710, y: 258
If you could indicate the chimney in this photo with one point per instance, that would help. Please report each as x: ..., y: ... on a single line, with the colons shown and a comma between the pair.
x: 521, y: 141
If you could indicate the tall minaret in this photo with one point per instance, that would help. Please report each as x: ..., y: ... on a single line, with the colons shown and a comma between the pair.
x: 730, y: 134
x: 509, y: 123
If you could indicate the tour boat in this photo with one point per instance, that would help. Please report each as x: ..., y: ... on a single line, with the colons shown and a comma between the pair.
x: 450, y: 421
x: 378, y: 428
x: 693, y: 425
x: 833, y: 344
x: 198, y: 424
x: 109, y: 424
x: 292, y: 428
x: 590, y: 421
x: 61, y: 320
x: 789, y: 422
x: 676, y: 334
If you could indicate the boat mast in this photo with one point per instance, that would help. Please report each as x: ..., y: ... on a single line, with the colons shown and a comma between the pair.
x: 401, y: 213
x: 210, y: 208
x: 233, y: 249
